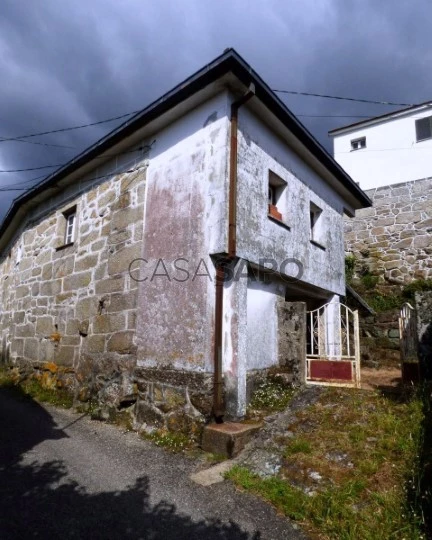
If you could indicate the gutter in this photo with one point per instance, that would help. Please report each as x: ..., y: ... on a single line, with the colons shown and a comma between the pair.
x: 221, y: 264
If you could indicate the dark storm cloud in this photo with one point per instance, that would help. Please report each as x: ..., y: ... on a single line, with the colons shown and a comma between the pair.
x: 65, y: 64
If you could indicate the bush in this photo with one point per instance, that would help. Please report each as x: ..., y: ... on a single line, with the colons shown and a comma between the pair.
x: 416, y: 286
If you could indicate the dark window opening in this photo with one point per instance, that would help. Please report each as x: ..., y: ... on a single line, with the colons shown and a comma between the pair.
x: 358, y: 144
x: 423, y: 128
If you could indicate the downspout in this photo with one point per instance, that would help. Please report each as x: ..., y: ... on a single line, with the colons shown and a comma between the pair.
x: 218, y: 401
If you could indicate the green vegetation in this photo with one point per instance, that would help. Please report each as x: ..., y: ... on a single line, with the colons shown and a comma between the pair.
x: 350, y: 261
x: 417, y: 285
x: 176, y: 442
x: 271, y: 396
x: 352, y: 468
x: 383, y: 302
x: 33, y: 388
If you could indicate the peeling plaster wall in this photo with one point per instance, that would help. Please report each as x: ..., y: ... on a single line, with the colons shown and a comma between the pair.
x: 186, y: 217
x: 262, y: 327
x: 258, y: 236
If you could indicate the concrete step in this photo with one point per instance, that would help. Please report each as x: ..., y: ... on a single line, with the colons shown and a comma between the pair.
x: 227, y: 439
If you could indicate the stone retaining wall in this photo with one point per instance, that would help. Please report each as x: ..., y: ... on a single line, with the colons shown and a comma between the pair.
x: 393, y: 239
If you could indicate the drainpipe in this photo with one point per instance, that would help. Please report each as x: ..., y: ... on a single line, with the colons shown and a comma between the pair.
x: 218, y: 402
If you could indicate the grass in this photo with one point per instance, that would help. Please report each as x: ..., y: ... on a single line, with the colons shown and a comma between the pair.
x: 33, y: 388
x: 175, y: 442
x: 351, y: 469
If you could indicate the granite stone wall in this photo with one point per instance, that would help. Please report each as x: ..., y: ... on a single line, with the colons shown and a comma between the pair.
x: 393, y: 239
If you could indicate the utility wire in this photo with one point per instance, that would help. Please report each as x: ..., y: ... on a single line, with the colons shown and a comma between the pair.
x: 62, y: 164
x: 129, y: 171
x: 292, y: 92
x: 61, y: 130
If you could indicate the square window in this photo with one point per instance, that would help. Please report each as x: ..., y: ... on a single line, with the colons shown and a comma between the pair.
x: 358, y: 144
x: 423, y: 128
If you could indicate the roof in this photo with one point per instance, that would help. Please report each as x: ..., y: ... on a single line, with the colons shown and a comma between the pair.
x: 230, y: 62
x: 377, y: 119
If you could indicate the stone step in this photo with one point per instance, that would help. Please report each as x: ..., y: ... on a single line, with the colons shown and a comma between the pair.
x: 227, y: 439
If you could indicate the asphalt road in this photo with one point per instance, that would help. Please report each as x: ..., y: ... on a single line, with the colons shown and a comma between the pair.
x: 65, y: 476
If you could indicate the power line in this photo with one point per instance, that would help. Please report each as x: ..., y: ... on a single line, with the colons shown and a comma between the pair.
x: 292, y: 92
x: 129, y: 171
x: 62, y: 164
x: 61, y: 130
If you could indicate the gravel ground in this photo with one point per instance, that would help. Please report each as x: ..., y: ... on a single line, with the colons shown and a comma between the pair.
x: 65, y: 476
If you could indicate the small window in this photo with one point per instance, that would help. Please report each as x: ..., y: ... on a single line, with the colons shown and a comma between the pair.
x: 316, y: 222
x: 358, y: 144
x: 70, y: 217
x: 19, y: 254
x: 423, y: 128
x: 276, y: 202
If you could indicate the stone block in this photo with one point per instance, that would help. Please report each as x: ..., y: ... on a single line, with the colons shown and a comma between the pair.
x: 105, y: 324
x: 18, y: 317
x: 122, y: 302
x: 35, y: 289
x: 96, y: 344
x: 422, y: 241
x: 403, y: 244
x: 121, y: 202
x: 227, y: 439
x: 120, y: 261
x: 50, y: 288
x: 122, y: 218
x: 110, y: 285
x: 25, y: 330
x: 45, y: 326
x: 122, y: 343
x: 146, y: 413
x: 408, y: 217
x: 31, y: 348
x: 47, y: 271
x: 72, y: 327
x: 21, y: 291
x: 77, y: 281
x: 86, y: 308
x: 64, y: 355
x: 63, y: 267
x: 87, y: 263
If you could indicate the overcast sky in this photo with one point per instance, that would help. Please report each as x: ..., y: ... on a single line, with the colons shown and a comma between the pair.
x: 69, y: 63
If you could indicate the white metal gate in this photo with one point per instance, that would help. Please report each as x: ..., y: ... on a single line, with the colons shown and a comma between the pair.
x: 333, y: 346
x: 409, y: 344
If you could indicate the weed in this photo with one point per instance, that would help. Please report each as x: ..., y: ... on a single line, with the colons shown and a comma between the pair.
x: 416, y: 286
x: 298, y: 446
x: 350, y: 261
x: 59, y: 397
x: 271, y: 396
x: 176, y: 442
x: 362, y: 448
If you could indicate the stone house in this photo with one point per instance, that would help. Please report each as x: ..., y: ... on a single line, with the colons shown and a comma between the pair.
x: 171, y: 262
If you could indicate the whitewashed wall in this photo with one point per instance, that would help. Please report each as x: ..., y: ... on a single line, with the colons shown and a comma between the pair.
x: 392, y: 154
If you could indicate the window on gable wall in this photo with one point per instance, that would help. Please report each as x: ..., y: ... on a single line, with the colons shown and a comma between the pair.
x: 70, y: 217
x: 276, y: 203
x: 358, y: 144
x: 423, y: 128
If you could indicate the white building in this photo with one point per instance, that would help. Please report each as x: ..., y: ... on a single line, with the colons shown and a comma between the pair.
x: 387, y: 149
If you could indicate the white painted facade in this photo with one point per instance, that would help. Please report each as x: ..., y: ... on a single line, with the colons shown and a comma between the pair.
x: 392, y: 153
